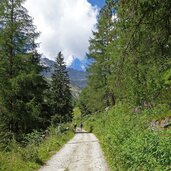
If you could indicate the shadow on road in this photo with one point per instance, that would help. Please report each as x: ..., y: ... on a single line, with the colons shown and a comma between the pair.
x: 82, y: 132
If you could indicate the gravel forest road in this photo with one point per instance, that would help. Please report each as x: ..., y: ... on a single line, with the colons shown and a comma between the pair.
x: 82, y: 153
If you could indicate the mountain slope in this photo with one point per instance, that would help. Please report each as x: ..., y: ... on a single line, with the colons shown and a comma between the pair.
x: 80, y: 65
x: 77, y: 78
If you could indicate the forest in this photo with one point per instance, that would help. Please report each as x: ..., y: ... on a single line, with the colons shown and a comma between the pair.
x: 131, y: 49
x: 127, y: 100
x: 30, y: 106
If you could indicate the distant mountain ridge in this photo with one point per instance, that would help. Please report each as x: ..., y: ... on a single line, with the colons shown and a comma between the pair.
x: 77, y: 65
x: 80, y: 65
x: 77, y: 77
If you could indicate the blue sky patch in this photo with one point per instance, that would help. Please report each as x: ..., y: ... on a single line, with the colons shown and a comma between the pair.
x: 99, y: 3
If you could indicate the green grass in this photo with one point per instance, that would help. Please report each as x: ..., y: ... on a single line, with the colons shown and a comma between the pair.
x: 129, y: 143
x: 33, y: 155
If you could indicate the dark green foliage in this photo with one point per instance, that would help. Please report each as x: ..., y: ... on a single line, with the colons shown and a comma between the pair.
x: 61, y: 98
x: 5, y: 135
x: 34, y: 137
x: 21, y: 85
x: 99, y: 95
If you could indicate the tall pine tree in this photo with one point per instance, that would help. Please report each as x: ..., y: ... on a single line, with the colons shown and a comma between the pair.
x: 21, y: 85
x: 61, y: 98
x: 100, y: 71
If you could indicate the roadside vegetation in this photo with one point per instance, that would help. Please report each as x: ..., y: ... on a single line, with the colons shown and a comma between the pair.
x: 35, y: 149
x: 128, y: 140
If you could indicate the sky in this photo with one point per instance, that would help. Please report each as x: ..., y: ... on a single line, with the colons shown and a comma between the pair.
x: 98, y: 3
x: 65, y: 25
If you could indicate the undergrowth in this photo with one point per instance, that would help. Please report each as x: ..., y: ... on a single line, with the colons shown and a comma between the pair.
x: 129, y: 143
x: 35, y: 150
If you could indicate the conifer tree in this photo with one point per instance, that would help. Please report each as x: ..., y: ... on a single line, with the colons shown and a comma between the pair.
x: 61, y: 98
x: 21, y: 85
x: 100, y: 71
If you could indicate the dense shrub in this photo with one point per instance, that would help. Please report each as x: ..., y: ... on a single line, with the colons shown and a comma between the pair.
x: 34, y: 137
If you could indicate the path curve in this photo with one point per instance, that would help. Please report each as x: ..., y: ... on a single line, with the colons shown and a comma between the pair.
x: 82, y: 153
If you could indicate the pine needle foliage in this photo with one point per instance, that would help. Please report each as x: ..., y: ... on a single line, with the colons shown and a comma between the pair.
x: 61, y: 97
x: 21, y: 84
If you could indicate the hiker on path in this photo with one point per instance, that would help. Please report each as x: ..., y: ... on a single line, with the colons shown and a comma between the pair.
x: 75, y: 127
x: 81, y: 126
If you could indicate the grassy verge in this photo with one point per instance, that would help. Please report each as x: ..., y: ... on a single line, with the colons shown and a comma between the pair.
x: 129, y: 143
x: 35, y: 154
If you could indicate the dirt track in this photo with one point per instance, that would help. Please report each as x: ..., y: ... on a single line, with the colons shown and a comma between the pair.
x: 82, y: 153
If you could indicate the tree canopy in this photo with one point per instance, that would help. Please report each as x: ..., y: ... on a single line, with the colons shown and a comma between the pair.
x: 131, y: 50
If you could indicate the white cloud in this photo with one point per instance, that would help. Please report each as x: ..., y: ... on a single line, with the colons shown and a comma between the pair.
x: 65, y: 25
